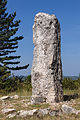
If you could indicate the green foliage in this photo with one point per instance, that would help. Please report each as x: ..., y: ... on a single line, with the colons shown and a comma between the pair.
x: 8, y: 42
x: 27, y: 83
x: 4, y: 74
x: 10, y: 85
x: 70, y: 84
x: 15, y: 83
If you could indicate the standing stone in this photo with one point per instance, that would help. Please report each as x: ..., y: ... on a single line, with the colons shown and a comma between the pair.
x: 47, y: 67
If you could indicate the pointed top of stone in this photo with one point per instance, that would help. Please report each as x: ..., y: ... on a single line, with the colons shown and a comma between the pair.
x: 44, y: 14
x: 44, y: 19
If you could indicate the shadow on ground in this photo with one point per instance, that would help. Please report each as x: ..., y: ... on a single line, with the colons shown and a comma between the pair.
x: 69, y: 97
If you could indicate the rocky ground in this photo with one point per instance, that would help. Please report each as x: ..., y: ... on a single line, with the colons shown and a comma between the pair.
x: 19, y: 108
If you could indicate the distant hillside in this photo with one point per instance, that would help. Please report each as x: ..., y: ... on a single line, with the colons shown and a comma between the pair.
x: 73, y: 77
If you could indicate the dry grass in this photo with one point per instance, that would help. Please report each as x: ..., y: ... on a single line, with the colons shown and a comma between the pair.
x: 21, y: 104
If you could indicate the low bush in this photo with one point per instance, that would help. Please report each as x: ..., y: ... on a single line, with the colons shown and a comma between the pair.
x: 15, y: 83
x: 10, y: 85
x: 68, y: 83
x: 27, y: 83
x: 24, y: 83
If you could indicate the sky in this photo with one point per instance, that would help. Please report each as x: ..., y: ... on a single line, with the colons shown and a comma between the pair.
x: 68, y: 14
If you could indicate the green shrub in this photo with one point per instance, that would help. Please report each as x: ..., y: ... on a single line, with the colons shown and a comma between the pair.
x: 15, y: 83
x: 68, y: 83
x: 9, y: 85
x: 27, y: 83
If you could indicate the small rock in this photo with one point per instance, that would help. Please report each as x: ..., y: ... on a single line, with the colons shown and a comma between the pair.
x: 11, y: 97
x: 7, y: 111
x: 15, y: 97
x: 54, y: 112
x: 4, y: 97
x: 42, y: 112
x: 24, y: 113
x: 68, y: 110
x: 37, y: 100
x: 12, y: 115
x: 29, y: 103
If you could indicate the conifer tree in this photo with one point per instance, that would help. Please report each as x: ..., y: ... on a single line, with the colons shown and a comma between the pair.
x: 8, y: 43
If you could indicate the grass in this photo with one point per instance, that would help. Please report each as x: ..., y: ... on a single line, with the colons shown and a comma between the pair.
x: 38, y: 106
x: 20, y: 92
x: 71, y: 92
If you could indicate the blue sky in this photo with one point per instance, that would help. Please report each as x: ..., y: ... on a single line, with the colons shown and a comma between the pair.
x: 68, y: 14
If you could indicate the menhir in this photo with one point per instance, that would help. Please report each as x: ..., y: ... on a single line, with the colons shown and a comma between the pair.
x: 47, y: 67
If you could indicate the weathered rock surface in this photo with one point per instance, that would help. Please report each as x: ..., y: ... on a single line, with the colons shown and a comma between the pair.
x: 7, y: 110
x: 12, y: 115
x: 54, y: 112
x: 24, y: 113
x: 68, y: 110
x: 36, y: 99
x: 15, y: 97
x: 47, y: 68
x: 4, y: 97
x: 11, y: 97
x: 42, y: 112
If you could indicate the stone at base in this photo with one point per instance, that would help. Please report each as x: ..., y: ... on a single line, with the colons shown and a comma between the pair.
x: 37, y: 99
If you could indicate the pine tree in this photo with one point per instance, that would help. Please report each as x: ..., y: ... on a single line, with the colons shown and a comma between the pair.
x: 8, y: 43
